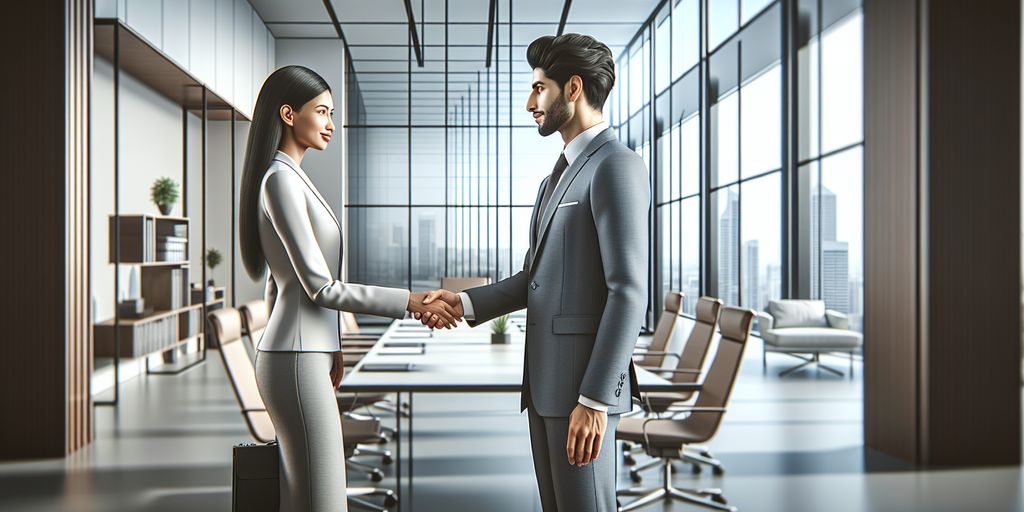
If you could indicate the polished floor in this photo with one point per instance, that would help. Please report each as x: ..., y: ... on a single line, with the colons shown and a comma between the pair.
x: 790, y: 444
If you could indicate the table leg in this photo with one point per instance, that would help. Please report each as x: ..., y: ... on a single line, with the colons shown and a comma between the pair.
x: 412, y: 459
x: 398, y: 451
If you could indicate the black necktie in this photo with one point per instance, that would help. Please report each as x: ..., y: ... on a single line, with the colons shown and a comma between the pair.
x: 556, y: 173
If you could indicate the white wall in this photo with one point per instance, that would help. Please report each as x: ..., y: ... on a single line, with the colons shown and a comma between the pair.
x: 150, y: 147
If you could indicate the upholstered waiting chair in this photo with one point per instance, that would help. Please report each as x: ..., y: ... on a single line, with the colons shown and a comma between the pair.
x: 805, y: 327
x: 667, y: 438
x: 227, y: 338
x: 659, y: 353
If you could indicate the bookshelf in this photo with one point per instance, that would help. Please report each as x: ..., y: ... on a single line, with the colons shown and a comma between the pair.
x: 159, y: 246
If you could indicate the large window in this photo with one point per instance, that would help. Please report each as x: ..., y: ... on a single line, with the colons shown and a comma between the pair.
x: 726, y: 160
x: 746, y: 162
x: 831, y: 157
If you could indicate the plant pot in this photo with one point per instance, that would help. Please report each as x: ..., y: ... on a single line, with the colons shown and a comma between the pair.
x: 210, y: 283
x: 165, y: 209
x: 501, y: 339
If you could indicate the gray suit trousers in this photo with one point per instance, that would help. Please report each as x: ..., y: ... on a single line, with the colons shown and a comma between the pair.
x: 568, y: 488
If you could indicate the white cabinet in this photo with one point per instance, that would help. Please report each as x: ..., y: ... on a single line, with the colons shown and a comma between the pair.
x: 146, y: 18
x: 243, y: 56
x: 259, y: 55
x: 223, y: 43
x: 175, y: 31
x: 202, y: 40
x: 109, y: 9
x: 224, y: 82
x: 271, y: 53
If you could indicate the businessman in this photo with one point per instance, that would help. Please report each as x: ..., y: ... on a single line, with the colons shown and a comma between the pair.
x: 584, y: 280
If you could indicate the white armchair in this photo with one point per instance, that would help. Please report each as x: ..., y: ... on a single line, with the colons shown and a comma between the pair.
x: 805, y: 329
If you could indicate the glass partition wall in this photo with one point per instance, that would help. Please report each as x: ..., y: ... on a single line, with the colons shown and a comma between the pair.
x: 748, y: 114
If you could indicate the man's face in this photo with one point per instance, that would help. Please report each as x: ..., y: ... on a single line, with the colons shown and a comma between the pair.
x: 548, y: 104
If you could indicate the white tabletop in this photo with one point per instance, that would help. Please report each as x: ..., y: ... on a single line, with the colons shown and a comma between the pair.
x: 457, y: 360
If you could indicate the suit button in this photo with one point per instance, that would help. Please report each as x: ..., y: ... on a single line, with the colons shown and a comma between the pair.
x: 534, y: 285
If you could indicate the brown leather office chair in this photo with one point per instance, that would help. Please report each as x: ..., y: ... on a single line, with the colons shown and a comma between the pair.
x: 687, y: 370
x: 666, y: 438
x: 658, y: 353
x: 226, y: 335
x: 255, y: 315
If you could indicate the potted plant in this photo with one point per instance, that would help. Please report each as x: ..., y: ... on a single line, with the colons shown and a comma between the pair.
x: 499, y: 330
x: 164, y: 194
x: 213, y: 258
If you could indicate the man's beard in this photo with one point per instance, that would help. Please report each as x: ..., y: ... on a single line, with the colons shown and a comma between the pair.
x: 554, y: 117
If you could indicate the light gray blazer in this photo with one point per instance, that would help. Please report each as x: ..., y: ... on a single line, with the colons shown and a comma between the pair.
x: 302, y: 242
x: 584, y: 282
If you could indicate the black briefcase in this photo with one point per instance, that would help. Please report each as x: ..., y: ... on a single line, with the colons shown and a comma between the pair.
x: 254, y: 479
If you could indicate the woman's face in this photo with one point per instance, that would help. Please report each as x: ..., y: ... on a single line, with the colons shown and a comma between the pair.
x: 312, y: 125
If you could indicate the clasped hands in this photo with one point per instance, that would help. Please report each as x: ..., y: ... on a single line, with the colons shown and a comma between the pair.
x: 439, y: 309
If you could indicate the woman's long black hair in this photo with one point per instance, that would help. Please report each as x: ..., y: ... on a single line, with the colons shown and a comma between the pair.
x: 290, y: 85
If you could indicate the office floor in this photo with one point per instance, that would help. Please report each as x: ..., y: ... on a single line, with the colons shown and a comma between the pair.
x: 789, y: 445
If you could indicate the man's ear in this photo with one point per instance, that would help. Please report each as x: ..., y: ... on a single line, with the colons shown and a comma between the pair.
x: 574, y: 88
x: 287, y: 115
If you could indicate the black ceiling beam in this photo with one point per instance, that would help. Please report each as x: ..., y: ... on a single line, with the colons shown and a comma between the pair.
x: 565, y: 16
x: 415, y: 36
x: 337, y: 27
x: 490, y: 31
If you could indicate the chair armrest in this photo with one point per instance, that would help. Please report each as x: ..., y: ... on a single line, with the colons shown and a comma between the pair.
x: 686, y: 409
x: 765, y: 321
x: 674, y: 370
x: 837, y: 320
x: 655, y: 353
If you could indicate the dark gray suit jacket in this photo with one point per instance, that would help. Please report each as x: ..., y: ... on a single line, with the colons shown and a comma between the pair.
x: 584, y: 283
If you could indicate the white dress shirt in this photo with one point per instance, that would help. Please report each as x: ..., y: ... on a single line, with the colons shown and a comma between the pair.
x: 572, y: 151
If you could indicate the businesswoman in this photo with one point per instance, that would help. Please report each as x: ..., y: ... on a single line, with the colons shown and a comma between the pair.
x: 288, y: 227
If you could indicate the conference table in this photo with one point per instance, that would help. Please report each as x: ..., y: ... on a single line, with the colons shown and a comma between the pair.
x: 410, y: 358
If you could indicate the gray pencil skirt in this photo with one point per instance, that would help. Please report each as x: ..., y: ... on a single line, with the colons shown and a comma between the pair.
x: 296, y: 388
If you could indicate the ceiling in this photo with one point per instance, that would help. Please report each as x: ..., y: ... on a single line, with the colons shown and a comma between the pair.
x: 387, y: 70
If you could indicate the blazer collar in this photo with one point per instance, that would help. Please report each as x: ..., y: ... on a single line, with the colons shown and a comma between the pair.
x: 283, y: 157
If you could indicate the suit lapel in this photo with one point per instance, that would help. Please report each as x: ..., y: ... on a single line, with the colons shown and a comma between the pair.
x: 563, y: 185
x: 305, y: 179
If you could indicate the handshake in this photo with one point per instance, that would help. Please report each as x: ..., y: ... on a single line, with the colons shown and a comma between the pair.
x: 438, y: 309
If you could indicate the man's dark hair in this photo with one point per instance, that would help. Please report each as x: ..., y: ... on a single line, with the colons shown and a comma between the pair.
x: 561, y: 57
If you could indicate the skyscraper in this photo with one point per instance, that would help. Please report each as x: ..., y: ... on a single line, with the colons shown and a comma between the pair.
x: 728, y: 250
x: 750, y: 276
x: 835, y: 275
x: 823, y: 229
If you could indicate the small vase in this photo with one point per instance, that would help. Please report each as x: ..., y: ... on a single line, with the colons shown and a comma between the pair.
x: 501, y: 339
x: 165, y: 209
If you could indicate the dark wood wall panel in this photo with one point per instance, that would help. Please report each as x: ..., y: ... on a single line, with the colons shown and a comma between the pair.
x: 890, y: 228
x: 973, y: 186
x: 942, y: 231
x: 46, y: 354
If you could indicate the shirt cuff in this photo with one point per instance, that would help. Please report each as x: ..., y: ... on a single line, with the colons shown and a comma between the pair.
x: 467, y: 307
x: 593, y: 404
